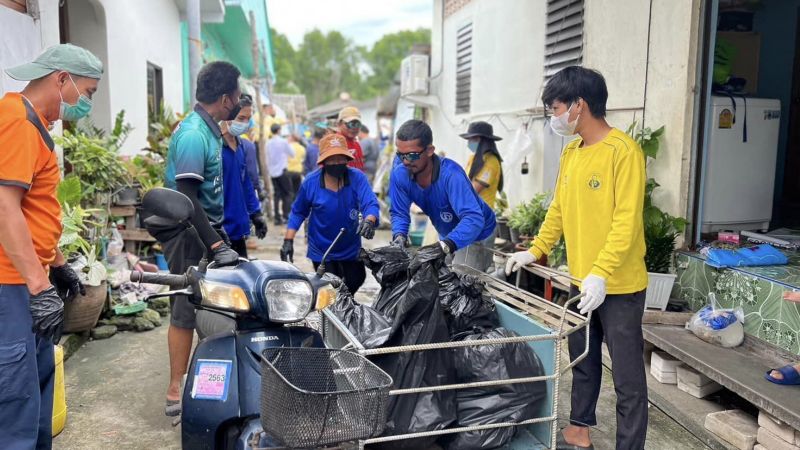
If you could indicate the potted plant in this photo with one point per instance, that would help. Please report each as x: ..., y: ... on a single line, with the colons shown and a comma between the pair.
x: 527, y: 217
x: 500, y: 208
x: 660, y: 228
x: 82, y: 313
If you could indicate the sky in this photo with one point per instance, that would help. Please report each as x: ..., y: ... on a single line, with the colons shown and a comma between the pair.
x: 363, y: 21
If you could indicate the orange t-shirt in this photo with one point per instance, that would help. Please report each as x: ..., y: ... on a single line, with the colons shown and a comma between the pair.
x: 27, y: 162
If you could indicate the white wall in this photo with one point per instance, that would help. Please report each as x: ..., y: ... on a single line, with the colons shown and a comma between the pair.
x: 142, y: 31
x: 508, y: 55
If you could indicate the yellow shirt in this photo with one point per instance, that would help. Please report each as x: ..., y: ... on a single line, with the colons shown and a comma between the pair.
x: 598, y: 206
x: 295, y: 164
x: 489, y: 177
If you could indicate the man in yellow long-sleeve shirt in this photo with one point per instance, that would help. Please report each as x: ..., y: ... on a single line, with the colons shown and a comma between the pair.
x: 597, y: 207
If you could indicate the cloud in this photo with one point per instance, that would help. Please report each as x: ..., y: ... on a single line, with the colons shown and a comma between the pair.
x: 363, y: 21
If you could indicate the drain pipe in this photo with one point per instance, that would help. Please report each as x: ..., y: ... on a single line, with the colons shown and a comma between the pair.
x: 195, y: 45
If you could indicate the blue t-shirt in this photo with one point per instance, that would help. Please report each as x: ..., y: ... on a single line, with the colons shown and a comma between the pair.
x: 194, y: 153
x: 450, y: 202
x: 310, y: 163
x: 251, y: 160
x: 329, y: 211
x: 240, y: 196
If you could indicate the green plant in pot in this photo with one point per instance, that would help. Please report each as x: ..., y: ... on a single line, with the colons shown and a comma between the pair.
x: 500, y: 209
x: 661, y: 230
x: 527, y: 217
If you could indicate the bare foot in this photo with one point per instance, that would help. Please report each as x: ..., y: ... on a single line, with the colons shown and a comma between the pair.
x: 576, y: 435
x: 779, y: 376
x: 174, y: 393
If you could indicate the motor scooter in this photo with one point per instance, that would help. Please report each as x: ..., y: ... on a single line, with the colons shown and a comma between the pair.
x: 265, y: 301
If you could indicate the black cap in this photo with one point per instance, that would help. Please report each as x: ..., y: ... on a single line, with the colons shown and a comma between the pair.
x: 482, y: 129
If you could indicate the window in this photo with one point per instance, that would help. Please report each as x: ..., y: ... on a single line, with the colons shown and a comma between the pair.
x: 155, y: 92
x: 563, y: 35
x: 463, y: 68
x: 16, y: 5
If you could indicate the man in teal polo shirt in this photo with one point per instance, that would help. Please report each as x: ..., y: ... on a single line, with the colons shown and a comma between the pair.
x: 194, y: 168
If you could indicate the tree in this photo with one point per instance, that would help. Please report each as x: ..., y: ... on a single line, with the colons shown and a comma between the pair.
x: 284, y: 55
x: 325, y: 65
x: 386, y: 55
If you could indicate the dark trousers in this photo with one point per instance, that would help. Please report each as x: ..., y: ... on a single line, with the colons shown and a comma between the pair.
x: 619, y: 321
x: 282, y: 187
x: 27, y: 375
x: 297, y: 179
x: 240, y: 247
x: 352, y: 273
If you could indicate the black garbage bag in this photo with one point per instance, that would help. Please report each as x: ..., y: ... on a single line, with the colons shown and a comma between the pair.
x: 505, y: 403
x: 389, y: 266
x: 419, y: 319
x: 369, y: 326
x: 465, y: 305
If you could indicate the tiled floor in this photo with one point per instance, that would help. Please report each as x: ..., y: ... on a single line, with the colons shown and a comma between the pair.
x: 757, y: 290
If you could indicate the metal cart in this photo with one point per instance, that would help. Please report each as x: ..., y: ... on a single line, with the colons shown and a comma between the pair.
x: 542, y: 324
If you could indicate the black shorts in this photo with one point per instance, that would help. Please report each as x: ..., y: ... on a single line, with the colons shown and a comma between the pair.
x: 182, y: 251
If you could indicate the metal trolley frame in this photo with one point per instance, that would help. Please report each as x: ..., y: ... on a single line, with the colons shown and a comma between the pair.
x: 556, y: 321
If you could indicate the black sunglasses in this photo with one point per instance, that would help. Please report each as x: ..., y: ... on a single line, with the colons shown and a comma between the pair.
x: 410, y: 157
x: 353, y: 124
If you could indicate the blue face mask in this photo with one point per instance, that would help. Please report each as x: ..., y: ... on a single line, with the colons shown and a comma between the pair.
x: 473, y: 146
x: 73, y: 113
x: 239, y: 128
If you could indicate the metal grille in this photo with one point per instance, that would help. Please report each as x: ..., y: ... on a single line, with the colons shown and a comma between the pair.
x: 313, y: 397
x: 463, y: 68
x: 563, y: 35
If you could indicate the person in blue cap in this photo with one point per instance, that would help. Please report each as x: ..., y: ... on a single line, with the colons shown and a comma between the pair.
x: 331, y: 198
x: 440, y: 187
x: 241, y: 203
x: 61, y: 82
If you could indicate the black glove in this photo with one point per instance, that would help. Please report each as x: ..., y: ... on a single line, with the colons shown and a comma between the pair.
x: 400, y: 240
x: 260, y: 224
x: 366, y: 229
x: 66, y: 282
x: 47, y: 312
x: 223, y: 255
x: 223, y: 235
x: 287, y: 250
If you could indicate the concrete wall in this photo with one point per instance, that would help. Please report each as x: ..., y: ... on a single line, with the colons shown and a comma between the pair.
x: 141, y: 32
x: 507, y: 78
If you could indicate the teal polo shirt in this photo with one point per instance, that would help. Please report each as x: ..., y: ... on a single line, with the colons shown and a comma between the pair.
x: 195, y: 153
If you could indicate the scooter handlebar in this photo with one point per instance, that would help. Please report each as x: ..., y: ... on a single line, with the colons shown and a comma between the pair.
x: 166, y: 279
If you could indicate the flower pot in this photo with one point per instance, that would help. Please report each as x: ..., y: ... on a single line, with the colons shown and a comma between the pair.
x: 82, y: 312
x: 503, y: 232
x: 127, y: 196
x: 659, y: 287
x: 514, y: 235
x: 520, y: 247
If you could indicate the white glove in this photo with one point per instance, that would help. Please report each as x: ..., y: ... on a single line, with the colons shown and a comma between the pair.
x: 518, y: 260
x: 595, y: 289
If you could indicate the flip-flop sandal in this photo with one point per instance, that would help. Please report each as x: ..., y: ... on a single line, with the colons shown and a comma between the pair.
x: 562, y: 444
x: 173, y: 408
x: 790, y: 375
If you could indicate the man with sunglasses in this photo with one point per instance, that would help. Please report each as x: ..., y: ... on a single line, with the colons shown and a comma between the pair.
x: 349, y: 125
x: 440, y: 187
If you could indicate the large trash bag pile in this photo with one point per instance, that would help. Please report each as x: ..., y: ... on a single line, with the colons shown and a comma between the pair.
x: 422, y: 301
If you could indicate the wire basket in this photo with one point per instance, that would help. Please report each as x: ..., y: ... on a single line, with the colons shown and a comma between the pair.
x: 317, y: 396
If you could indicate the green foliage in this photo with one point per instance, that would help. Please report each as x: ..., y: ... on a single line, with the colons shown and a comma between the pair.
x: 69, y: 192
x: 326, y: 64
x: 558, y: 254
x: 528, y: 217
x: 73, y: 227
x: 94, y: 157
x: 501, y: 205
x: 159, y: 133
x: 660, y: 228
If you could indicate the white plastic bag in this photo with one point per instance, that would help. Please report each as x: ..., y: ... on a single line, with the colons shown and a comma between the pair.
x: 716, y: 325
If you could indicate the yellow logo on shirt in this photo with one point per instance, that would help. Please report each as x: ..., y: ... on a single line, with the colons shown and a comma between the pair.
x: 594, y: 182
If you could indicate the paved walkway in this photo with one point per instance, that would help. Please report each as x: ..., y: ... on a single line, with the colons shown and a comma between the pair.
x: 115, y: 389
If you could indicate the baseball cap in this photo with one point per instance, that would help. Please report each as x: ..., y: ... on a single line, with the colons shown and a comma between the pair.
x: 67, y: 57
x: 331, y: 145
x: 349, y: 113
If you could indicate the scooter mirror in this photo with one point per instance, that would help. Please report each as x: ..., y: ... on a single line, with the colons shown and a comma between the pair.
x: 169, y: 204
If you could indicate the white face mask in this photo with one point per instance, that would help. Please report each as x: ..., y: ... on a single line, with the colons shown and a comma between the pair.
x: 561, y: 125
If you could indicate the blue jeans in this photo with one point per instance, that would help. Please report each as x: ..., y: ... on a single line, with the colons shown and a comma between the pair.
x: 27, y: 374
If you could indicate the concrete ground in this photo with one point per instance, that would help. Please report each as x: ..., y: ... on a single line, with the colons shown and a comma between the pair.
x: 115, y: 387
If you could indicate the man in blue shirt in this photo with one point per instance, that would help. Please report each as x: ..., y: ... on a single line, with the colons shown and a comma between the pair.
x: 194, y: 168
x: 333, y: 198
x: 241, y: 204
x: 440, y: 188
x: 312, y: 152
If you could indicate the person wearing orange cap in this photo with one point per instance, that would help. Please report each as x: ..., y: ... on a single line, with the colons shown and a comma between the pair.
x: 331, y: 198
x: 349, y: 125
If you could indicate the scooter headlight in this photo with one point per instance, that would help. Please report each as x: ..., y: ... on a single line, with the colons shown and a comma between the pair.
x: 288, y: 300
x: 223, y: 296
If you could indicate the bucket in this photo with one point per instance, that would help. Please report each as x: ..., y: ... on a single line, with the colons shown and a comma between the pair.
x: 59, y: 393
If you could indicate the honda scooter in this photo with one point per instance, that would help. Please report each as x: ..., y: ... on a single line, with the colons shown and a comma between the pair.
x: 264, y: 301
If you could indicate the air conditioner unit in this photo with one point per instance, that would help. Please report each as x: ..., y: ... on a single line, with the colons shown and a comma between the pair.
x: 414, y: 75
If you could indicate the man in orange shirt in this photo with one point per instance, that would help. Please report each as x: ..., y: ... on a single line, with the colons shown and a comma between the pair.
x: 61, y: 83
